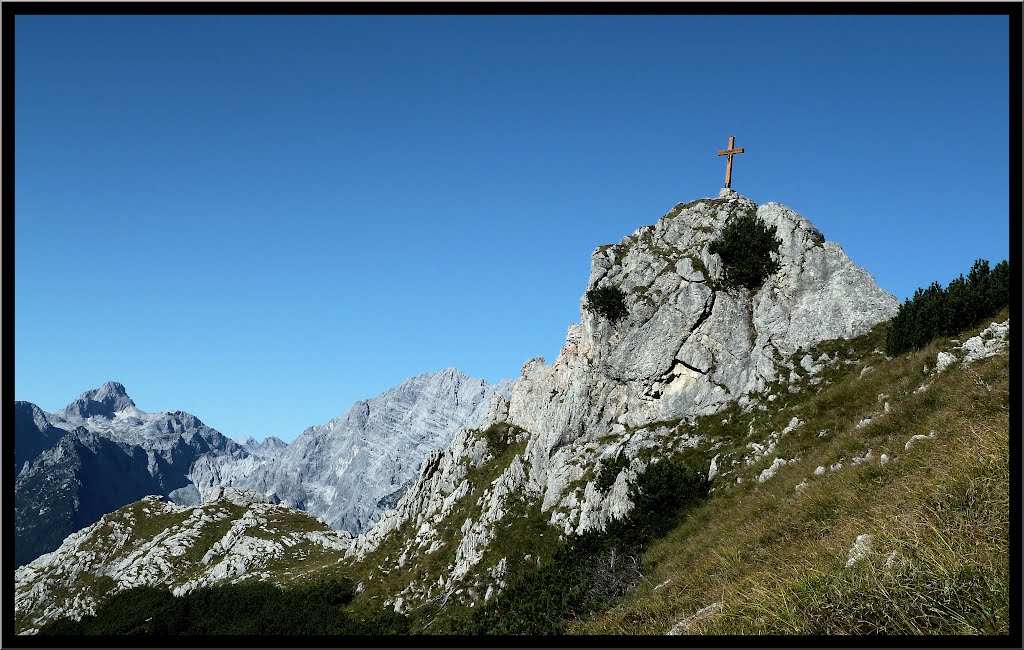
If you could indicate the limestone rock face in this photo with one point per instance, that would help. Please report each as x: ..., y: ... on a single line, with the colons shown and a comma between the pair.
x: 440, y: 483
x: 687, y: 348
x: 347, y: 471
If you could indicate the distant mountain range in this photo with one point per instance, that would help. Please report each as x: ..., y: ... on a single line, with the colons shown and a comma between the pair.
x: 101, y: 452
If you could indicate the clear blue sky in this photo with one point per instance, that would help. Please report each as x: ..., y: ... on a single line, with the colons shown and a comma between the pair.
x: 261, y: 220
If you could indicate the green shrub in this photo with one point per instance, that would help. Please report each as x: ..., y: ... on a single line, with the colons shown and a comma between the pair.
x: 660, y: 495
x: 934, y: 311
x: 499, y: 435
x: 247, y: 608
x: 745, y: 247
x: 609, y: 471
x: 609, y: 302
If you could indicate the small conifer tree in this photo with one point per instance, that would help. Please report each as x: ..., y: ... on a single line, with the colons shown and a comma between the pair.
x: 609, y: 302
x: 745, y: 247
x: 935, y: 311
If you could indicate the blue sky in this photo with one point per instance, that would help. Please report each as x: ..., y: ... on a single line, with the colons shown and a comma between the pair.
x: 261, y: 220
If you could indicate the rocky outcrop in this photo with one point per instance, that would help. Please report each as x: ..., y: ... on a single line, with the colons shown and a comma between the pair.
x: 687, y: 348
x: 235, y: 536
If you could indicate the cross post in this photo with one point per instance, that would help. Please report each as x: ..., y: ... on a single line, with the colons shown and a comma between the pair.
x: 729, y: 152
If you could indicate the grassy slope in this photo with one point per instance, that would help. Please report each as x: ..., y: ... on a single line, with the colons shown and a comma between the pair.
x: 775, y: 557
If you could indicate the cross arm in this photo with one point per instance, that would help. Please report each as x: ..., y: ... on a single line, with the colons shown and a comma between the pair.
x: 726, y: 152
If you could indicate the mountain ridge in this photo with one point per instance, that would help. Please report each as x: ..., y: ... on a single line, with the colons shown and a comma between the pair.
x: 69, y: 461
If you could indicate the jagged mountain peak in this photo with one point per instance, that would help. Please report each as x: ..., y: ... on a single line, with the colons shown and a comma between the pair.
x: 686, y: 346
x: 446, y: 376
x: 104, y: 401
x: 347, y: 469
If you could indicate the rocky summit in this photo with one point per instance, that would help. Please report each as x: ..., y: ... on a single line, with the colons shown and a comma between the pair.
x: 688, y: 347
x: 105, y: 401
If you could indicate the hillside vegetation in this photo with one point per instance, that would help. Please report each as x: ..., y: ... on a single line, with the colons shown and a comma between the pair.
x: 862, y: 492
x: 888, y: 513
x: 778, y: 557
x: 248, y: 608
x: 936, y: 311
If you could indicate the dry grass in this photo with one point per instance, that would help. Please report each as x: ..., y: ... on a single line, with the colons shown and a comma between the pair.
x: 938, y: 513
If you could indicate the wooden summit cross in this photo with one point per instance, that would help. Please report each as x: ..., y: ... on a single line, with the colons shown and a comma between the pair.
x: 729, y: 152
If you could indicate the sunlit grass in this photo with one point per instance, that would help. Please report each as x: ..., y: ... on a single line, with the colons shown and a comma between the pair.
x: 938, y: 512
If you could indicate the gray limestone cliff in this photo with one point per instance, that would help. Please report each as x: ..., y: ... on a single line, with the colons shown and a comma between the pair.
x: 348, y: 470
x: 687, y: 348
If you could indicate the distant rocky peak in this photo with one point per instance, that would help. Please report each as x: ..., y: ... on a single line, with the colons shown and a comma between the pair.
x: 38, y: 415
x: 100, y: 402
x: 265, y: 448
x: 272, y: 442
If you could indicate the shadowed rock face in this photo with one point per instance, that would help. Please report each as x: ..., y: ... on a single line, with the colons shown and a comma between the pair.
x: 33, y: 433
x: 348, y: 470
x: 688, y: 347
